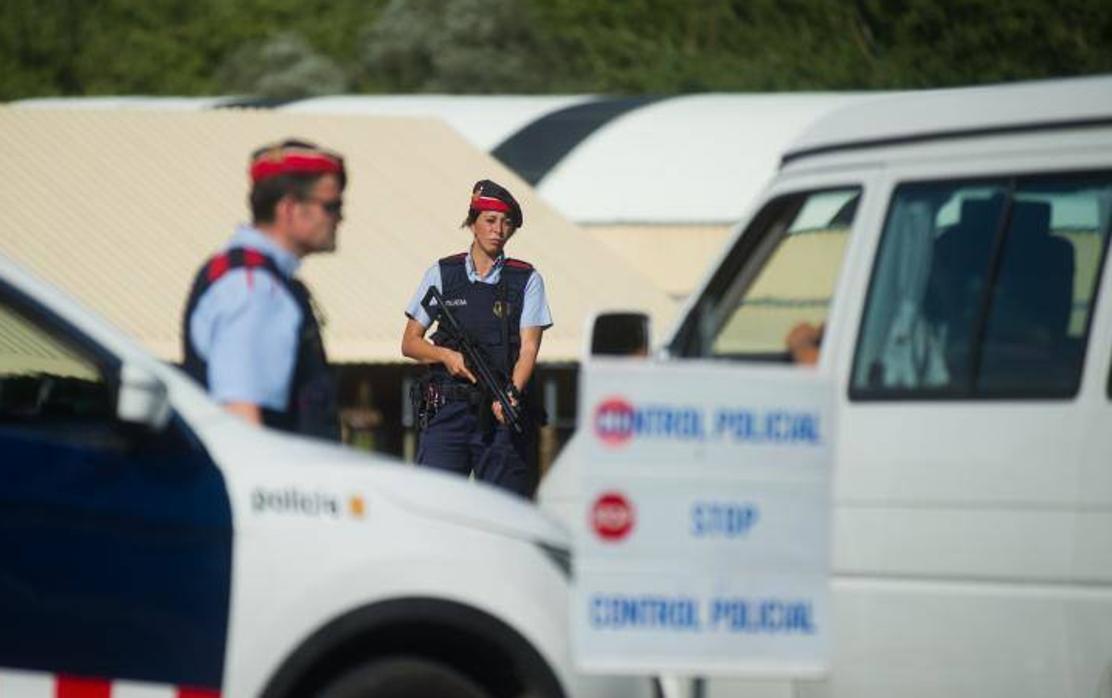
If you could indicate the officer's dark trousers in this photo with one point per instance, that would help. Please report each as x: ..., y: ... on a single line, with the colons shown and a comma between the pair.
x: 454, y: 441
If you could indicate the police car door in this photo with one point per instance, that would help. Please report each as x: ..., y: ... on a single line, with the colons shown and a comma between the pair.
x: 115, y: 541
x: 968, y: 475
x: 704, y: 546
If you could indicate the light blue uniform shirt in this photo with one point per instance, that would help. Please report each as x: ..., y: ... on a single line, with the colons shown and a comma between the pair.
x: 245, y: 327
x: 534, y: 307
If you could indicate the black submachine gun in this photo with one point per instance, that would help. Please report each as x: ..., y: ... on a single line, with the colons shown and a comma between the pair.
x: 475, y: 359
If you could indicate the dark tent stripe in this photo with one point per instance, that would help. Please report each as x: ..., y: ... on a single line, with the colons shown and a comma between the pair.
x: 533, y: 151
x: 256, y: 103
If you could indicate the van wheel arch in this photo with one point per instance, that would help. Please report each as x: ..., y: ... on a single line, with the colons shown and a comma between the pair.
x: 464, y: 639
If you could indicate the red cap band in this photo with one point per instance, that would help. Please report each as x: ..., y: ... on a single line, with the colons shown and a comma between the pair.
x: 488, y: 203
x: 282, y: 161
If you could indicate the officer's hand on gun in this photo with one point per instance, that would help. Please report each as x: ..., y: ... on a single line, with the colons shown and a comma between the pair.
x: 457, y: 366
x: 496, y: 406
x: 507, y: 395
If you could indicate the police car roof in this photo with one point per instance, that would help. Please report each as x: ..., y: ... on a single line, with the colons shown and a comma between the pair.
x: 959, y: 112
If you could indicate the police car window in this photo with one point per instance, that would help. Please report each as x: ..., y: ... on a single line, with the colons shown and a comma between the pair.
x: 789, y: 280
x: 984, y: 289
x: 45, y: 379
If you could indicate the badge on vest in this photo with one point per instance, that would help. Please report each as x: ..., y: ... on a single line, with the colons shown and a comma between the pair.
x: 501, y: 308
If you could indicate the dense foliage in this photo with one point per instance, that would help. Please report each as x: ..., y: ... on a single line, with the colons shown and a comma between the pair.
x: 290, y: 48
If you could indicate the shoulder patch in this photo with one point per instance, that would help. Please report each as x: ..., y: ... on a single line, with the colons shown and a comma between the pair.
x: 253, y: 258
x: 235, y: 258
x: 517, y: 263
x: 217, y: 267
x: 454, y: 258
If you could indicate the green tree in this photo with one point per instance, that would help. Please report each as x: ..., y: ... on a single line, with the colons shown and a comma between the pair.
x: 281, y: 67
x: 91, y: 47
x: 453, y: 46
x: 925, y: 43
x: 39, y: 44
x: 197, y: 47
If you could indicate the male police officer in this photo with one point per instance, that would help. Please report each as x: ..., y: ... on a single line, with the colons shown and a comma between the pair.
x: 250, y: 333
x: 501, y: 304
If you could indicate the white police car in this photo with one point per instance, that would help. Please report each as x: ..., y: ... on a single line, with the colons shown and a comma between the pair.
x: 153, y: 545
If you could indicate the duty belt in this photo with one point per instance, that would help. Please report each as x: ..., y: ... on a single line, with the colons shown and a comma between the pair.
x: 429, y: 395
x: 456, y: 392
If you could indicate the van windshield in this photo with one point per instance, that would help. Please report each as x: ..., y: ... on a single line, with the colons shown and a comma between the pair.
x: 780, y: 276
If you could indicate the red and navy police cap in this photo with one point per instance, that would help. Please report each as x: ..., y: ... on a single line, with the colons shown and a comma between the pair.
x: 294, y: 158
x: 491, y: 196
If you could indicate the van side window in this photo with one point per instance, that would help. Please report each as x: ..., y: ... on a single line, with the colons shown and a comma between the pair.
x: 44, y: 379
x: 984, y: 289
x: 780, y: 275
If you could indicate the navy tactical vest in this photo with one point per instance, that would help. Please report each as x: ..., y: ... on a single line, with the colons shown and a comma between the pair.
x: 480, y: 309
x: 311, y: 408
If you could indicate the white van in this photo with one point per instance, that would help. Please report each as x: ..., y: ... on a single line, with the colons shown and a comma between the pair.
x: 952, y: 247
x: 151, y: 544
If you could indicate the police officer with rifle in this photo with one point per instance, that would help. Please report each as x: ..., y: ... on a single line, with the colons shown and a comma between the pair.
x: 496, y: 386
x: 474, y: 406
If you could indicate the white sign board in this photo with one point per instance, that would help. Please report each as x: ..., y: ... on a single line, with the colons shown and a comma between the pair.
x: 703, y: 537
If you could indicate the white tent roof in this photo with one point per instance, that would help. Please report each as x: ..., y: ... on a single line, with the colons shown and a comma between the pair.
x: 696, y: 159
x: 120, y: 207
x: 681, y: 160
x: 130, y: 102
x: 483, y: 121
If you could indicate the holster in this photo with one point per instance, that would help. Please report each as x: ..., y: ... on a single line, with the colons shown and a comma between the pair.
x: 432, y: 391
x: 426, y: 398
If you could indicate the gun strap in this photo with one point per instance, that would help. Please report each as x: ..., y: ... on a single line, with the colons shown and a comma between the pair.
x: 502, y: 298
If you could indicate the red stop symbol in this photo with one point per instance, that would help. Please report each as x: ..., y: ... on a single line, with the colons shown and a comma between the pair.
x: 612, y: 516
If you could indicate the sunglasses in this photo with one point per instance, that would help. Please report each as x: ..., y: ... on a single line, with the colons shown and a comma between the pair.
x: 333, y: 207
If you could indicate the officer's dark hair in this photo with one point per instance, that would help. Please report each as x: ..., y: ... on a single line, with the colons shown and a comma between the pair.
x: 266, y: 194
